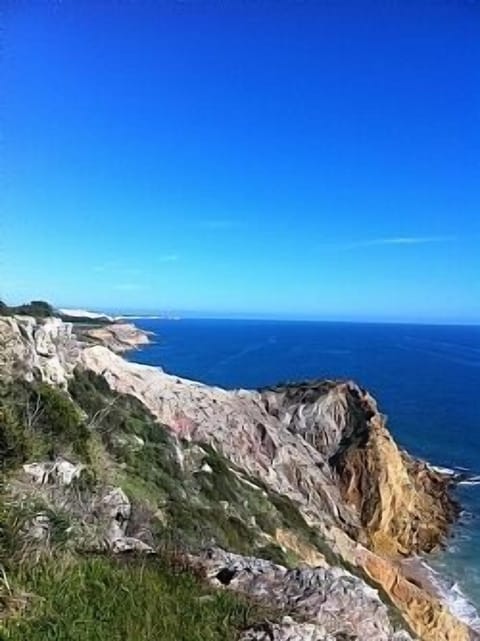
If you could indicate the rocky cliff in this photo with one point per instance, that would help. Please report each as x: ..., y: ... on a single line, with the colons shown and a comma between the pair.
x: 30, y: 348
x: 307, y: 472
x: 403, y: 505
x: 118, y: 336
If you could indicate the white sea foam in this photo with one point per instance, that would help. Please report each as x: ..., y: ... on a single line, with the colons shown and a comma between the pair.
x: 463, y: 474
x: 444, y: 470
x: 453, y: 596
x: 460, y: 606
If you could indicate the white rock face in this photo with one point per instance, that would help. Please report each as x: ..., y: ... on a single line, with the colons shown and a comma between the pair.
x: 60, y: 471
x: 38, y: 472
x: 46, y: 349
x: 116, y: 505
x: 67, y: 472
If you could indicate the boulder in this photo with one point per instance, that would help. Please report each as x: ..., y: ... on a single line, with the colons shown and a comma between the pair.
x: 59, y: 471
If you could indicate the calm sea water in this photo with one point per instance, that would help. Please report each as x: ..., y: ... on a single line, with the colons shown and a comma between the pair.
x: 425, y: 378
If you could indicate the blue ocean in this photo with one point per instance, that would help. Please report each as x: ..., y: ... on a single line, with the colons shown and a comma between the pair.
x: 425, y: 378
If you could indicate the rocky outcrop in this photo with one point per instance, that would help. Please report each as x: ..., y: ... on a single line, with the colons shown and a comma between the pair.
x: 50, y: 349
x: 266, y: 436
x: 345, y: 470
x: 97, y: 521
x: 119, y: 337
x: 333, y: 600
x: 403, y: 505
x: 47, y: 350
x: 289, y: 630
x: 114, y: 511
x: 325, y: 446
x: 59, y: 471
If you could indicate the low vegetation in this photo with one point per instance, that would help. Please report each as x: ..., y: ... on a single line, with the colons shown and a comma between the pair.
x: 100, y: 598
x: 36, y: 308
x: 40, y: 309
x: 185, y: 494
x: 39, y: 421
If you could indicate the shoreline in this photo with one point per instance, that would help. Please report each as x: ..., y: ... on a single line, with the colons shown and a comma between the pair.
x: 440, y: 585
x: 416, y: 507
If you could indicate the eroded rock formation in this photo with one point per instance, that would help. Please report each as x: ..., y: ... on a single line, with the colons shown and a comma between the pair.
x: 30, y: 348
x: 325, y: 446
x: 404, y: 505
x: 119, y: 337
x: 331, y: 598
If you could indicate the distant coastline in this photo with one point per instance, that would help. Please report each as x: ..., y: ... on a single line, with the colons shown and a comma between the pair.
x: 147, y: 317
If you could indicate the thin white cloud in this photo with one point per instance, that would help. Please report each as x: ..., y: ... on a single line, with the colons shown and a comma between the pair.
x: 398, y: 241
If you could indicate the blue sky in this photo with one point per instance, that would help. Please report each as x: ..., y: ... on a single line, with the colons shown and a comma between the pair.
x: 290, y: 159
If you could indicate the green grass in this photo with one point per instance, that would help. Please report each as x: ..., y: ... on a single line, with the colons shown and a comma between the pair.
x: 96, y: 599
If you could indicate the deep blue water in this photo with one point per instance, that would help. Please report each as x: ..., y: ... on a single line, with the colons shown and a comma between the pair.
x: 425, y: 378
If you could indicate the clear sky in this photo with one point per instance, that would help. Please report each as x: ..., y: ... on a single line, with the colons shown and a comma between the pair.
x: 294, y: 159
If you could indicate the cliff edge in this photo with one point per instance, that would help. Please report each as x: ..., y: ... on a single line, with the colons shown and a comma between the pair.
x: 297, y: 492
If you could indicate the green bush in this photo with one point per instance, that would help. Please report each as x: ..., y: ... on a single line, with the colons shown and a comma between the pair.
x: 36, y: 308
x: 38, y: 421
x: 59, y: 419
x: 14, y: 445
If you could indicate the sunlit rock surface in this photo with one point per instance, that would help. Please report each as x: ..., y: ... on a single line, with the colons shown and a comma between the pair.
x: 322, y: 444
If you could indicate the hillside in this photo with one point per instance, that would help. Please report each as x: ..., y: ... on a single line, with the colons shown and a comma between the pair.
x: 139, y: 505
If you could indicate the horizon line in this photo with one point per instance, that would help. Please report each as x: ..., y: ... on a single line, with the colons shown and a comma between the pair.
x: 179, y: 316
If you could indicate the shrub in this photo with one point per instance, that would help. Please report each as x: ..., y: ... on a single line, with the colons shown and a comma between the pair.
x: 59, y: 418
x: 36, y: 308
x: 37, y: 420
x: 14, y: 445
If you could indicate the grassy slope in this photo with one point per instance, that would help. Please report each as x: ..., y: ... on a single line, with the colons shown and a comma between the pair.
x: 95, y: 599
x: 204, y: 500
